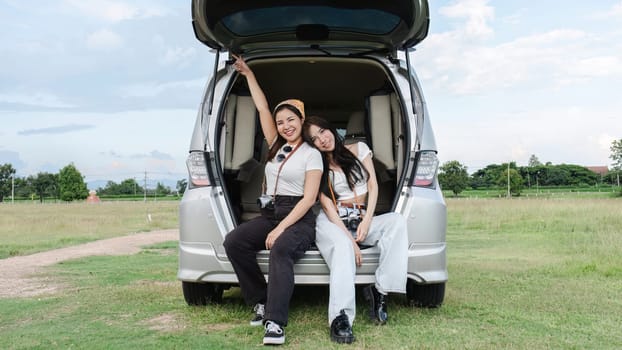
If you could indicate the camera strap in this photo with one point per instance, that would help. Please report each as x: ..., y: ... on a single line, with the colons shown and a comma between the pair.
x: 330, y: 187
x: 264, y: 185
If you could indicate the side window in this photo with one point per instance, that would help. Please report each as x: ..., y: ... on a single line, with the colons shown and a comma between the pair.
x: 341, y: 132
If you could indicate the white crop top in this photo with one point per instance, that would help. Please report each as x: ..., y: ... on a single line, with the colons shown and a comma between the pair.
x: 340, y: 183
x: 292, y: 177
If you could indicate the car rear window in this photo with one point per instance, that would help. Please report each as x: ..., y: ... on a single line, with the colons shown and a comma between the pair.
x: 287, y: 18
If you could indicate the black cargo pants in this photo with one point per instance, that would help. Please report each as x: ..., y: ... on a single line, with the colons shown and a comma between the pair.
x: 243, y: 243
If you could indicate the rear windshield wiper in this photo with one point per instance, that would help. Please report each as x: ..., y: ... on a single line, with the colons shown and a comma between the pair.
x: 317, y: 47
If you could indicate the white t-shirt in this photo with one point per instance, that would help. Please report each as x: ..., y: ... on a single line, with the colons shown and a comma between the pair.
x: 292, y: 176
x: 340, y: 183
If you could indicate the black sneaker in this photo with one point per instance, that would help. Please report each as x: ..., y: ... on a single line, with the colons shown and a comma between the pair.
x: 340, y: 329
x: 377, y: 304
x: 274, y: 334
x: 259, y: 312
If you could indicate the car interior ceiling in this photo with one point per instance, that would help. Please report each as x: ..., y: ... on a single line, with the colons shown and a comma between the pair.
x: 330, y: 88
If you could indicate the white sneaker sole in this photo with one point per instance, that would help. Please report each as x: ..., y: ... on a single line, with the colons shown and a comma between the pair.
x: 273, y: 341
x: 256, y: 323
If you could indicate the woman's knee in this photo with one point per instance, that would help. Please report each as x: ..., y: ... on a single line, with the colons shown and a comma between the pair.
x: 400, y: 230
x: 229, y: 241
x: 289, y: 245
x: 234, y: 241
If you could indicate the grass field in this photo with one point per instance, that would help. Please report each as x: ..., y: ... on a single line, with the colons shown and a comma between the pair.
x: 31, y: 227
x: 524, y: 274
x: 542, y: 192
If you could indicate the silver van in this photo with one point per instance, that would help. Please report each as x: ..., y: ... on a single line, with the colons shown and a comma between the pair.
x: 349, y: 62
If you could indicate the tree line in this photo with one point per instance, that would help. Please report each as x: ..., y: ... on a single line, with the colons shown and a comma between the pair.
x: 69, y: 185
x: 129, y: 187
x: 454, y: 176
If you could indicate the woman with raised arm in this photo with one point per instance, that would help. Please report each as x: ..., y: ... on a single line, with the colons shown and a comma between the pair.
x: 287, y: 224
x: 348, y: 196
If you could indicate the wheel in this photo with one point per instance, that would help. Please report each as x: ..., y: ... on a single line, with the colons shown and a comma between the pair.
x: 425, y: 295
x: 202, y: 293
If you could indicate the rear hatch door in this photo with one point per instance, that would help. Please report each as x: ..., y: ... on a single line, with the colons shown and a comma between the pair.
x: 252, y: 25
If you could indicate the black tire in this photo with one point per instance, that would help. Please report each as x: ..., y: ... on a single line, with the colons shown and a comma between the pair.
x: 425, y: 295
x: 202, y: 293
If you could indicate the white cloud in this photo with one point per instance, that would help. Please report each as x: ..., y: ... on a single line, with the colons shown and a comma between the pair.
x: 556, y: 134
x: 116, y: 11
x: 106, y: 10
x: 104, y: 39
x: 556, y: 57
x: 551, y: 37
x: 477, y: 14
x: 603, y: 66
x: 466, y: 61
x: 519, y: 151
x: 515, y: 18
x: 614, y: 12
x: 13, y: 158
x: 37, y: 99
x: 154, y: 155
x: 154, y: 89
x: 160, y: 135
x: 604, y: 141
x: 178, y: 55
x: 62, y: 129
x: 35, y: 47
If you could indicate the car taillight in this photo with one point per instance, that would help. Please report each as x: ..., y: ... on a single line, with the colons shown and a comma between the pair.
x: 197, y: 169
x: 427, y: 168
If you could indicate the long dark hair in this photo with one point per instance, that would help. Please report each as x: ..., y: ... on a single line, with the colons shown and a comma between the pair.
x: 280, y: 141
x: 349, y: 163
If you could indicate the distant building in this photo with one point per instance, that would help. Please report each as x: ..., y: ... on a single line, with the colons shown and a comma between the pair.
x: 92, y: 198
x: 600, y: 170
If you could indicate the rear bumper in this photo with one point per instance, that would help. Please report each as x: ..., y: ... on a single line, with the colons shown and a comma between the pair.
x: 199, y: 262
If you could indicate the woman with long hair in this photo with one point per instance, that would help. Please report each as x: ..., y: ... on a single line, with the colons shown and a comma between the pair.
x: 287, y: 224
x: 349, y: 192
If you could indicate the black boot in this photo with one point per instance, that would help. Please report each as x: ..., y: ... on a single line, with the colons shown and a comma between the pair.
x: 340, y: 329
x: 377, y: 304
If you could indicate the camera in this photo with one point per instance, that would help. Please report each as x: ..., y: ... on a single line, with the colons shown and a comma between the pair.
x: 352, y: 220
x: 265, y: 202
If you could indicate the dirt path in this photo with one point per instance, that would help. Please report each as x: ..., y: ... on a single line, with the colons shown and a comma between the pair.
x: 18, y: 274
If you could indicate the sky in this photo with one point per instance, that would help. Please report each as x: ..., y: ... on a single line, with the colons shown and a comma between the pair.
x: 114, y: 86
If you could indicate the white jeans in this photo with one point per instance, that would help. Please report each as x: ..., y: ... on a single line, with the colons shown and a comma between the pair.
x: 388, y: 233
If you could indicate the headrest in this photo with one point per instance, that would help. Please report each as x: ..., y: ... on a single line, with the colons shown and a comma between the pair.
x: 356, y: 124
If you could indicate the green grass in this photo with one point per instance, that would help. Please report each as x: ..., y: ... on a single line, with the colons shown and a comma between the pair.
x: 542, y: 272
x: 542, y: 192
x: 27, y: 228
x: 524, y: 274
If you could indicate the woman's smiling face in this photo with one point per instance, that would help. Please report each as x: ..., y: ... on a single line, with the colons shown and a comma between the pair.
x: 323, y: 139
x: 288, y: 125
